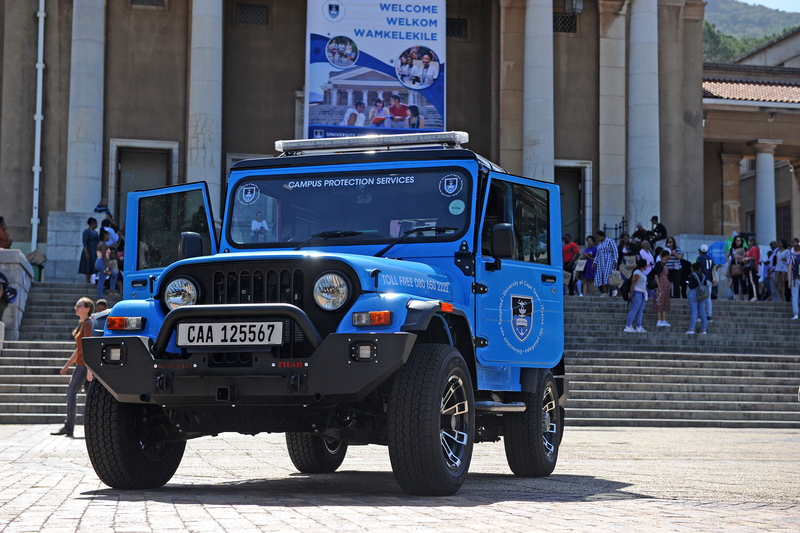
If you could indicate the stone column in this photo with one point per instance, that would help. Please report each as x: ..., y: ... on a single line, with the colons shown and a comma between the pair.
x: 204, y: 143
x: 334, y: 96
x: 538, y: 141
x: 731, y: 198
x: 380, y: 95
x: 85, y: 123
x: 644, y: 195
x: 511, y: 85
x: 611, y: 203
x: 350, y: 97
x: 765, y: 189
x: 692, y: 120
x: 670, y: 118
x: 365, y: 97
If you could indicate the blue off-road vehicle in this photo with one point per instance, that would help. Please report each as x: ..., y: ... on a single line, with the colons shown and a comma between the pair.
x: 396, y: 290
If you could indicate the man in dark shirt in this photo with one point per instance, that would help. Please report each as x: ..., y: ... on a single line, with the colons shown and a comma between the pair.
x: 658, y: 233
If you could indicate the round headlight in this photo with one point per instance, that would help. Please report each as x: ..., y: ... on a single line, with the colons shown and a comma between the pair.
x: 331, y: 291
x: 180, y: 292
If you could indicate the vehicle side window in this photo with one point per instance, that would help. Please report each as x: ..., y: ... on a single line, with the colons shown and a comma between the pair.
x: 525, y: 207
x: 497, y: 212
x: 162, y: 219
x: 531, y: 224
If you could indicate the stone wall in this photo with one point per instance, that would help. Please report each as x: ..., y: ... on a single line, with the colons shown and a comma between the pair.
x: 20, y: 275
x: 64, y: 245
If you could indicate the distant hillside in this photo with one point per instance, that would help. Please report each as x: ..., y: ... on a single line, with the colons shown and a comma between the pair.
x: 738, y: 19
x: 721, y: 48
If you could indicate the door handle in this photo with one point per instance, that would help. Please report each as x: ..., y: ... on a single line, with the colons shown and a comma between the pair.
x: 138, y: 283
x: 548, y: 278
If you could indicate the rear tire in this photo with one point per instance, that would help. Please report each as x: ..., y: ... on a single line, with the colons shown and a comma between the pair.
x: 311, y: 454
x: 431, y: 421
x: 532, y: 437
x: 126, y: 451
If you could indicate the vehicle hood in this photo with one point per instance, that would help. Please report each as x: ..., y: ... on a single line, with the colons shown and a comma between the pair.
x: 391, y: 275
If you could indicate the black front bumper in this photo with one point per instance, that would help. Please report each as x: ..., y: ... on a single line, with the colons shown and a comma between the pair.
x: 329, y: 375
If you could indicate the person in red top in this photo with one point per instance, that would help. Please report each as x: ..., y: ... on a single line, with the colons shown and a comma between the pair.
x: 751, y: 261
x: 397, y: 111
x: 569, y: 254
x: 83, y: 308
x: 5, y: 241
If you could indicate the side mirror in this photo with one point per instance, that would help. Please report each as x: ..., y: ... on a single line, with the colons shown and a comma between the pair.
x: 190, y: 245
x: 504, y: 244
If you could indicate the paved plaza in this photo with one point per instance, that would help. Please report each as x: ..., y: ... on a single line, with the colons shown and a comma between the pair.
x: 607, y: 479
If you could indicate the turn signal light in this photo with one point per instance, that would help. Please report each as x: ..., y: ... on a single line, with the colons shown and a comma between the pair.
x: 124, y: 323
x: 446, y: 307
x: 373, y: 318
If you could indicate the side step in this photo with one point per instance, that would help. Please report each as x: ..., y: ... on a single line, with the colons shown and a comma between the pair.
x: 486, y: 406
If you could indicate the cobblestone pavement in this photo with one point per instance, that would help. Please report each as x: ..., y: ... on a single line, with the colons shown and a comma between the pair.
x: 609, y: 479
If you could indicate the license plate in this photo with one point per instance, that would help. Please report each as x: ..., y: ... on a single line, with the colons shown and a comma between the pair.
x: 230, y: 334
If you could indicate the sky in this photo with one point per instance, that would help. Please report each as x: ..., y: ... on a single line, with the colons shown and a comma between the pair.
x: 790, y: 6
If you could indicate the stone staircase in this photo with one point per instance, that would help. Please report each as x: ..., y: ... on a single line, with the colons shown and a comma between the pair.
x: 744, y: 373
x: 31, y: 389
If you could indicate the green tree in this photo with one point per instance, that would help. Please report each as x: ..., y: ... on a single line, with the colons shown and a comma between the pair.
x: 719, y: 47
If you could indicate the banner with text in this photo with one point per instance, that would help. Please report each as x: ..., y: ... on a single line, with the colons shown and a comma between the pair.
x: 374, y: 67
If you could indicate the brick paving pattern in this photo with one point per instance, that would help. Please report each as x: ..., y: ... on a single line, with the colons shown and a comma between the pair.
x: 607, y: 479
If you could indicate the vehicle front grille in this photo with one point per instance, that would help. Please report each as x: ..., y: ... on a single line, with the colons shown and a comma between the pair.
x: 265, y: 286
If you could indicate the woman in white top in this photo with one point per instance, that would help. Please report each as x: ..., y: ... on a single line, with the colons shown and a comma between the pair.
x: 258, y: 227
x: 638, y: 298
x: 781, y: 268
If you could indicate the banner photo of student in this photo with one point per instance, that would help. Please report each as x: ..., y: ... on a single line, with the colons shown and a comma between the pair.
x: 374, y: 68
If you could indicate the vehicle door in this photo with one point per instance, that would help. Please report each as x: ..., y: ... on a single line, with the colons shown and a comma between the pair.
x: 519, y: 302
x: 156, y: 218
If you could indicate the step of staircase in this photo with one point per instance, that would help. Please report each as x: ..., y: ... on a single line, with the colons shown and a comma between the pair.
x: 739, y: 375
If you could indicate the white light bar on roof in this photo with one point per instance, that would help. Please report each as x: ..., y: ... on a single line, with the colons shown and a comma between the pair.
x: 454, y: 138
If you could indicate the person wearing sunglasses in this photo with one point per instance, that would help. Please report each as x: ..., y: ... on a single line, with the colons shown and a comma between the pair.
x: 83, y: 308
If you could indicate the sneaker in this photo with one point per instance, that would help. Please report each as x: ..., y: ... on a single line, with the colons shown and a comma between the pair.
x: 667, y: 324
x: 629, y: 329
x: 794, y: 317
x: 604, y: 295
x: 660, y: 323
x: 753, y: 299
x: 63, y: 431
x: 581, y: 295
x: 690, y: 332
x: 703, y: 333
x: 640, y: 329
x: 709, y: 319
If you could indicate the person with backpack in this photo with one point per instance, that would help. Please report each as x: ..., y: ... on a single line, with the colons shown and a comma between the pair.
x: 794, y: 274
x: 698, y: 292
x: 636, y: 290
x: 707, y: 267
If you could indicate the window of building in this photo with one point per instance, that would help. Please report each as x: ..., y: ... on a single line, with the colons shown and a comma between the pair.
x: 783, y: 222
x: 565, y: 23
x: 252, y: 14
x: 750, y: 221
x: 149, y: 3
x: 456, y: 28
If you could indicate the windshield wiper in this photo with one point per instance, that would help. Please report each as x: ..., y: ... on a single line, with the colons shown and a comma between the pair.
x: 333, y: 234
x: 411, y: 231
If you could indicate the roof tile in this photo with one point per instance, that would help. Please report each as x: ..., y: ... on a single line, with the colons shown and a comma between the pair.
x: 755, y: 91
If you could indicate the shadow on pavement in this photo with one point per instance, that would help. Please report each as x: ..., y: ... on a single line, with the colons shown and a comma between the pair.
x: 376, y: 488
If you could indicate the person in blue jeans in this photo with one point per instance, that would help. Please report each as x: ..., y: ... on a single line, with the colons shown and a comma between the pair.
x: 706, y: 266
x: 696, y: 278
x: 638, y: 298
x: 102, y: 267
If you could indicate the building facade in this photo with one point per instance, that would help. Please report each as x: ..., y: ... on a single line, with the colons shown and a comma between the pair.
x: 607, y: 102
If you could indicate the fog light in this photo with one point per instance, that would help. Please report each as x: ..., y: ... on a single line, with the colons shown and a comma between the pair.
x: 373, y: 318
x: 113, y: 354
x: 125, y: 323
x: 363, y: 351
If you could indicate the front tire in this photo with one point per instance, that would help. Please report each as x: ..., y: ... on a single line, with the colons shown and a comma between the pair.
x: 431, y: 421
x: 311, y: 454
x: 128, y: 444
x: 532, y: 437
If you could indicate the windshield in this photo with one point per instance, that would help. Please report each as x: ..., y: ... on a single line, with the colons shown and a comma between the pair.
x: 353, y: 208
